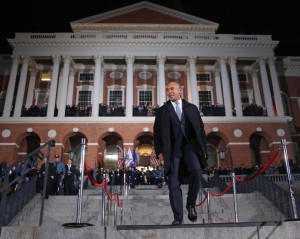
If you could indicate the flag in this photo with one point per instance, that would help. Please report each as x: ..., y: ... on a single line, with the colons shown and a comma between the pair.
x: 153, y: 160
x: 120, y: 158
x: 135, y: 158
x: 128, y: 158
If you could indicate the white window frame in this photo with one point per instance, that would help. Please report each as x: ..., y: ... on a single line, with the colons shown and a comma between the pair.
x: 207, y: 88
x: 145, y: 88
x: 84, y: 88
x: 113, y: 88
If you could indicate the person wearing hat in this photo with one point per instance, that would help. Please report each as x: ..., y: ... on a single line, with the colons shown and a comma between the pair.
x: 59, y: 174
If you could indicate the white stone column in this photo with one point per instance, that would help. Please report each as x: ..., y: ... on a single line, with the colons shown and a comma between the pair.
x: 276, y: 88
x: 161, y: 80
x: 97, y: 86
x: 53, y: 86
x: 235, y: 87
x: 71, y: 87
x: 21, y: 87
x: 129, y: 85
x: 193, y: 80
x: 29, y: 97
x: 266, y: 87
x: 59, y: 85
x: 11, y: 87
x: 188, y: 97
x: 101, y: 87
x: 226, y: 87
x: 257, y: 95
x: 63, y: 93
x: 218, y: 87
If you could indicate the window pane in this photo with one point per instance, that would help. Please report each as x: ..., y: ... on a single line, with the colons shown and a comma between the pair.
x: 145, y: 96
x: 242, y: 77
x: 86, y: 77
x: 203, y: 77
x: 115, y: 97
x: 205, y: 98
x: 84, y: 98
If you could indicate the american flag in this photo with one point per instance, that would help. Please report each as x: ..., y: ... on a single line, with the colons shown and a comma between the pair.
x: 153, y: 160
x: 120, y: 159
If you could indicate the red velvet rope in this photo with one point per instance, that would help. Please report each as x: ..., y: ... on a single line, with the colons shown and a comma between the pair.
x: 222, y: 193
x: 103, y: 183
x: 260, y: 171
x: 242, y: 179
x: 202, y: 201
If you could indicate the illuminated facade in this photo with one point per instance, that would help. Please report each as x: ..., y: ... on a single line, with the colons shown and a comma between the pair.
x: 104, y: 80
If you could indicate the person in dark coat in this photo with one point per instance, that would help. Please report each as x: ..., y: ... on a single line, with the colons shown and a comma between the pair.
x: 50, y: 178
x: 69, y: 180
x: 180, y: 143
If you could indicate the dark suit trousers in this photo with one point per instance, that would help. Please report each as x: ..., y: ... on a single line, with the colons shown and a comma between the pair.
x: 194, y: 173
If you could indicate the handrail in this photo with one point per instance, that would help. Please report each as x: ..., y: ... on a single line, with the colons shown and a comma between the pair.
x: 31, y: 162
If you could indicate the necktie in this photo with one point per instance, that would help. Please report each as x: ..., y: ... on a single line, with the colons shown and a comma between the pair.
x: 178, y: 110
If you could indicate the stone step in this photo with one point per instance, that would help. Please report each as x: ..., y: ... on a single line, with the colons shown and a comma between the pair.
x: 273, y: 229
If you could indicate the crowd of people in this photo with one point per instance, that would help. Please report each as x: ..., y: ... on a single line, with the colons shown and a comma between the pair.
x: 133, y: 176
x: 145, y: 109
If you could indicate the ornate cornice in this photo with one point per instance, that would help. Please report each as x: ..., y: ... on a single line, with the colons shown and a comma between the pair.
x: 140, y: 39
x: 96, y: 27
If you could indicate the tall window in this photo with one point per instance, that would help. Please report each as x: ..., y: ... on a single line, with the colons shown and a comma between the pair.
x: 242, y: 77
x: 245, y: 97
x: 116, y: 97
x: 205, y: 98
x: 86, y: 77
x: 84, y: 97
x: 202, y: 77
x: 41, y: 97
x: 145, y: 96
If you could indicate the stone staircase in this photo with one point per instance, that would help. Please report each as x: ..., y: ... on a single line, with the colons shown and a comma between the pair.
x: 146, y: 213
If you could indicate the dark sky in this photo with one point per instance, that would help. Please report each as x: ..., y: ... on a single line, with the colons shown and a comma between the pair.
x: 246, y: 17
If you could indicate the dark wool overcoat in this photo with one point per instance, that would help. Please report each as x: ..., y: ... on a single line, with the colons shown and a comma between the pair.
x: 162, y: 132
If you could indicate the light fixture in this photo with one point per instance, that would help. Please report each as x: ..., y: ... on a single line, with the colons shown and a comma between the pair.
x: 46, y: 76
x: 221, y: 153
x: 71, y: 155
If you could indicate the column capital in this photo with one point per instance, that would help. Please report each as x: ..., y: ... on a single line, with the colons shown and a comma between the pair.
x: 271, y: 60
x: 261, y: 61
x: 129, y: 59
x: 25, y: 58
x: 56, y: 59
x: 222, y: 59
x: 192, y: 59
x: 161, y: 59
x: 232, y: 60
x: 98, y: 59
x: 67, y: 59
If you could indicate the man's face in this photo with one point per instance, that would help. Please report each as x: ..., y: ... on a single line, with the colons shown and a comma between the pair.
x: 173, y: 91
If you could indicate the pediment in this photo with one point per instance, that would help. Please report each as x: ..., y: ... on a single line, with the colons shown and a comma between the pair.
x: 143, y: 16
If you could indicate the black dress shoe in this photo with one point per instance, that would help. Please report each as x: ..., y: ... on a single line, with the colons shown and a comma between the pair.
x: 192, y: 214
x: 177, y: 222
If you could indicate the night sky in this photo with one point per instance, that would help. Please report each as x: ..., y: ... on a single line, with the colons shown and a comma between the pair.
x: 247, y: 17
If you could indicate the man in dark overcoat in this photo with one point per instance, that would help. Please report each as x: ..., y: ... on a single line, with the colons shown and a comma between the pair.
x: 180, y: 143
